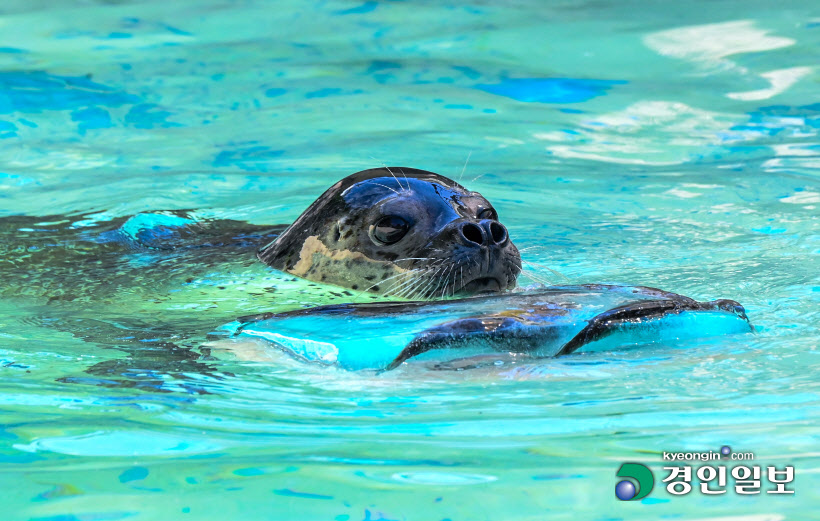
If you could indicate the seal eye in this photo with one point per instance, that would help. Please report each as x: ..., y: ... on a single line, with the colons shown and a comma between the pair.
x: 489, y: 213
x: 390, y: 229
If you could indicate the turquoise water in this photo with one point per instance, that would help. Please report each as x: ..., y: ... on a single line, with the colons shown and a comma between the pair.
x: 673, y: 146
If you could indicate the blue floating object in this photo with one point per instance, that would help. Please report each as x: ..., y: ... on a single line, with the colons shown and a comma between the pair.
x: 548, y: 322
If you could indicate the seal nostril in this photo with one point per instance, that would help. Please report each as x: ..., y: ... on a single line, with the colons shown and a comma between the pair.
x: 472, y: 233
x: 498, y: 232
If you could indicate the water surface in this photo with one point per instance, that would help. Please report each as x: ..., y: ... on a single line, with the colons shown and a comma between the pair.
x: 621, y: 142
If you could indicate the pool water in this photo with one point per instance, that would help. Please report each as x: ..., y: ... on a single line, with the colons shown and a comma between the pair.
x: 624, y: 142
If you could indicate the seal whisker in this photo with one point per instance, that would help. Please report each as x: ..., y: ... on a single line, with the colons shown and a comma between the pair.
x: 555, y: 272
x: 405, y: 177
x: 540, y: 280
x: 441, y: 283
x: 453, y: 286
x: 413, y: 258
x: 391, y: 189
x: 425, y: 293
x: 399, y: 288
x: 422, y: 293
x: 531, y: 248
x: 397, y: 180
x: 410, y: 291
x: 407, y: 286
x: 408, y: 274
x: 383, y: 280
x: 446, y: 278
x: 465, y: 166
x: 516, y: 273
x: 413, y: 275
x: 401, y: 188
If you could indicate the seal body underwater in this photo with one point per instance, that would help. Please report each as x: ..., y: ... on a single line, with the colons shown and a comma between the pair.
x: 399, y: 231
x: 392, y: 231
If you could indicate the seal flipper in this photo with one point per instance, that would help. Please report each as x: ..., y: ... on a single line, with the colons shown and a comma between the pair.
x: 541, y: 323
x: 616, y: 319
x: 453, y: 333
x: 499, y: 333
x: 510, y: 334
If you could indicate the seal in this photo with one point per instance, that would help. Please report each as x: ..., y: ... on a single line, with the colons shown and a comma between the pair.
x: 402, y: 232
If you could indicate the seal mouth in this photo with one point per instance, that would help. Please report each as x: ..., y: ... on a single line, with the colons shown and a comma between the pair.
x: 481, y: 285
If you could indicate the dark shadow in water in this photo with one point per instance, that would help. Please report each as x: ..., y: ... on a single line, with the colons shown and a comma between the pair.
x: 79, y: 276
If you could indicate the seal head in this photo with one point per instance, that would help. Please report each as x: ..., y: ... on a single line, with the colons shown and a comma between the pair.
x: 402, y: 232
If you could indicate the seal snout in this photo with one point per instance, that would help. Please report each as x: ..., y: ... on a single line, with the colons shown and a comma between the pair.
x: 490, y: 262
x: 485, y: 233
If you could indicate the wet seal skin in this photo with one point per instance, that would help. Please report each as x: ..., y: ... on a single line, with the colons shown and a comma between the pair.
x: 399, y: 231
